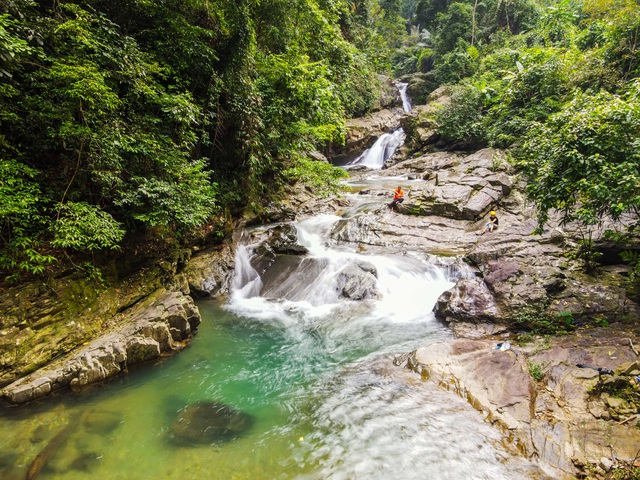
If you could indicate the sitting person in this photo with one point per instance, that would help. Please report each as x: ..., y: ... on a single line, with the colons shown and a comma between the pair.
x: 398, y: 197
x: 491, y: 225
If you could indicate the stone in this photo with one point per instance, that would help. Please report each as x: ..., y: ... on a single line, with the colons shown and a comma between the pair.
x: 628, y: 368
x: 146, y: 336
x: 606, y: 464
x: 101, y: 423
x: 615, y: 402
x: 468, y: 301
x: 208, y: 423
x: 357, y: 281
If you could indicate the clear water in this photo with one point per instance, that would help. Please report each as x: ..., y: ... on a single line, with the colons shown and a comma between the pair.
x: 323, y: 411
x: 315, y: 372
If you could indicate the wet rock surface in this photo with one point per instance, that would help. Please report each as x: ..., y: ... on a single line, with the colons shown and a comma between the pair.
x: 568, y: 417
x: 159, y: 325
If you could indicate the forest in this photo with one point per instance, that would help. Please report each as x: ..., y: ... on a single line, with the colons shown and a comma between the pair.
x: 138, y: 125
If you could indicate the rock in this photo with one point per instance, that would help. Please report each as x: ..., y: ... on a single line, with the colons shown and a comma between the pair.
x: 158, y: 325
x: 557, y: 420
x: 209, y: 271
x: 357, y: 281
x: 101, y: 423
x: 606, y: 464
x: 208, y: 423
x: 421, y: 85
x: 389, y: 97
x: 284, y: 240
x: 629, y: 368
x: 468, y: 301
x: 42, y: 322
x: 615, y: 402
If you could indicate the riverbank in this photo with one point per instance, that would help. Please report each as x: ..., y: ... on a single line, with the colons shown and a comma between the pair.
x: 574, y: 421
x: 514, y: 282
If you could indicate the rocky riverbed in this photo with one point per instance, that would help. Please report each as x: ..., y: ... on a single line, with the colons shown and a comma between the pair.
x: 526, y: 288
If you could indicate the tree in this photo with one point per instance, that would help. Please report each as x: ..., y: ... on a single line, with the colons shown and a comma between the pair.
x: 585, y: 161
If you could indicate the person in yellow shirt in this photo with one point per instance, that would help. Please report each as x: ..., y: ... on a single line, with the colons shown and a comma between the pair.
x: 491, y: 225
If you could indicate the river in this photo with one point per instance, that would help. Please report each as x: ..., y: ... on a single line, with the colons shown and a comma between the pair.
x: 314, y: 371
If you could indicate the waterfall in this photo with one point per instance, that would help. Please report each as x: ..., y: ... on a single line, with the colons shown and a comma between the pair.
x: 246, y: 281
x: 387, y: 144
x: 406, y: 103
x: 391, y: 288
x: 382, y: 150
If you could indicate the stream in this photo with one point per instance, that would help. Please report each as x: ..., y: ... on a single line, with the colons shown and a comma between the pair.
x: 314, y: 371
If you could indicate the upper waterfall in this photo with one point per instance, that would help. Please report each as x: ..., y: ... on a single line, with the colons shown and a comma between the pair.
x: 388, y: 143
x: 406, y: 102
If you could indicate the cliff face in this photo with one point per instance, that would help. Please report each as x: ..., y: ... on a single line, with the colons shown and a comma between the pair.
x: 72, y: 331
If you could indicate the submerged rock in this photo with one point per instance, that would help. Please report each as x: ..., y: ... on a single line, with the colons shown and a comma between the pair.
x: 209, y: 422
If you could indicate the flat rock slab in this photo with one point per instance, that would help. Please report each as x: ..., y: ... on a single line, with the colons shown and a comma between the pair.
x: 560, y: 419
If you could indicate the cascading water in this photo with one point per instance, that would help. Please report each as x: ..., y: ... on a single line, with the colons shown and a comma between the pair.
x: 383, y: 149
x: 387, y: 143
x: 363, y: 417
x: 406, y: 102
x: 304, y: 348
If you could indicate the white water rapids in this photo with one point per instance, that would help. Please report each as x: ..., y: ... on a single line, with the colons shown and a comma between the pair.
x: 369, y: 419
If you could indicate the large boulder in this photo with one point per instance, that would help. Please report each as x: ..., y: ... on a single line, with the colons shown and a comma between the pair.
x: 357, y: 281
x: 420, y: 86
x: 470, y: 300
x: 420, y: 124
x: 207, y: 273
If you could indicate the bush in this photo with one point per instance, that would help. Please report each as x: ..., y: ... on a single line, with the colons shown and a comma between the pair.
x: 323, y: 178
x: 460, y: 122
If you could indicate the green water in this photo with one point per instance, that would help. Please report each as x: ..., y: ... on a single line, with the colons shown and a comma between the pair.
x: 327, y: 404
x: 240, y: 363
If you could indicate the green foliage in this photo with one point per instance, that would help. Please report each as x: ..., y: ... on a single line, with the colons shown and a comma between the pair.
x: 536, y: 371
x: 21, y: 221
x: 632, y: 258
x: 586, y: 252
x: 538, y: 321
x: 584, y: 160
x: 460, y: 122
x: 124, y: 118
x: 457, y: 64
x: 323, y: 178
x: 80, y: 226
x: 454, y: 24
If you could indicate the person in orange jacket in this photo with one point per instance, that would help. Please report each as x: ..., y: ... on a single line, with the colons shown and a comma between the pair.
x: 398, y: 197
